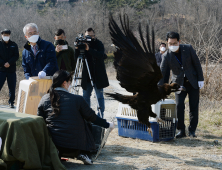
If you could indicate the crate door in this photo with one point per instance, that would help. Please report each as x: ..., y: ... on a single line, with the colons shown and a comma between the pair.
x: 169, y: 116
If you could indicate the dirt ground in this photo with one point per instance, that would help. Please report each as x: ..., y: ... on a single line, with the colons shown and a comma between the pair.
x: 122, y: 153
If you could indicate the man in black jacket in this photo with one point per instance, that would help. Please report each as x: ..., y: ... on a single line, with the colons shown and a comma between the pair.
x: 95, y: 57
x: 9, y: 54
x: 186, y: 71
x: 64, y: 53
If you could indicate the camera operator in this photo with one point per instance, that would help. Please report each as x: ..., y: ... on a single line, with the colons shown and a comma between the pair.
x: 64, y: 53
x: 95, y: 56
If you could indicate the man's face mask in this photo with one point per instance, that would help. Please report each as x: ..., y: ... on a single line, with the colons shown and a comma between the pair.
x: 33, y: 38
x: 69, y: 85
x: 174, y: 48
x: 59, y: 42
x: 6, y: 38
x: 163, y: 49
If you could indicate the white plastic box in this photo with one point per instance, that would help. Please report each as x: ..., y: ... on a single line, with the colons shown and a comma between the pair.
x: 30, y: 94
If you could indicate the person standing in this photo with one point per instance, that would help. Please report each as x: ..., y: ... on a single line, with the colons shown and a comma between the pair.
x: 186, y: 71
x: 39, y: 56
x: 64, y: 53
x: 9, y: 54
x: 158, y: 56
x: 95, y: 57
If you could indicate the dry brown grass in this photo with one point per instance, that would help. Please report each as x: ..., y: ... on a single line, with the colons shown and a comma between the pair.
x: 213, y: 82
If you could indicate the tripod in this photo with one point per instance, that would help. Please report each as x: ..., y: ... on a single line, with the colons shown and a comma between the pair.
x: 76, y: 82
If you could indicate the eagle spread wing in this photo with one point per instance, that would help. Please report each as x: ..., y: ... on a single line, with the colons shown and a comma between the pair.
x: 136, y: 65
x: 137, y: 70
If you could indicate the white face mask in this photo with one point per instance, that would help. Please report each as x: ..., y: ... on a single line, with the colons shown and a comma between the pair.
x: 173, y: 48
x: 69, y: 88
x: 162, y: 49
x: 5, y: 38
x: 33, y: 38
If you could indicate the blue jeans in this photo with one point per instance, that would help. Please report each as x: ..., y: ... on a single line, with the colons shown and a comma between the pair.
x: 99, y: 92
x: 11, y: 80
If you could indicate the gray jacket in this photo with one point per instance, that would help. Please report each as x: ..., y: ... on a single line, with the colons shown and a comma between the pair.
x: 191, y: 66
x: 158, y: 58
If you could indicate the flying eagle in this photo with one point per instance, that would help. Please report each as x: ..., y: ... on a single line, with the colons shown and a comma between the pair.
x: 137, y: 70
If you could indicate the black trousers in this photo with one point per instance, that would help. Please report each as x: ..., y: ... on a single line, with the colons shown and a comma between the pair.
x: 193, y: 104
x: 11, y: 80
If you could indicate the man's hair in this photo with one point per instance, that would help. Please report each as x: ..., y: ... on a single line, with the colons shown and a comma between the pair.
x: 33, y: 25
x: 89, y: 30
x: 173, y: 35
x: 59, y: 32
x: 6, y: 31
x: 163, y: 44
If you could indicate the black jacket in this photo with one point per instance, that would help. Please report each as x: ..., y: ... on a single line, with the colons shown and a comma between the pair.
x: 8, y: 53
x: 95, y: 57
x: 191, y: 66
x: 69, y: 129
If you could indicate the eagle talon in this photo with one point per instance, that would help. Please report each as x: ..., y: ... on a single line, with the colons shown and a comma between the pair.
x: 159, y: 120
x: 150, y: 131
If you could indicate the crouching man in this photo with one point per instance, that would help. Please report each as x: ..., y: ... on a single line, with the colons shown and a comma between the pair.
x: 39, y: 56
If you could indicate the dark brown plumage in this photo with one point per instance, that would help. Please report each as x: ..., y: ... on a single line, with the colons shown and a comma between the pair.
x: 137, y: 70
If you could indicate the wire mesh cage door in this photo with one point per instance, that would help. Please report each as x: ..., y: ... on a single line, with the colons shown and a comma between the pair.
x: 169, y: 116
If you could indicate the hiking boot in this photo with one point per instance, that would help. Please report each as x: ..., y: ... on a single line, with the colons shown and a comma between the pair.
x: 85, y: 159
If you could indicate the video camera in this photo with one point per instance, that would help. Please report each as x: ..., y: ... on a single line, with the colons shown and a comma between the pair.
x: 80, y: 42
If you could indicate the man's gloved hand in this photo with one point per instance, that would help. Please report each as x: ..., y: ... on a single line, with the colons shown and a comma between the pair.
x: 200, y: 84
x: 178, y: 92
x: 111, y: 125
x: 182, y: 88
x: 41, y: 74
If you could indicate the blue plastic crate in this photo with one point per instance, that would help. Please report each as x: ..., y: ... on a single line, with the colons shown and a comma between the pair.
x: 128, y: 125
x: 133, y: 129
